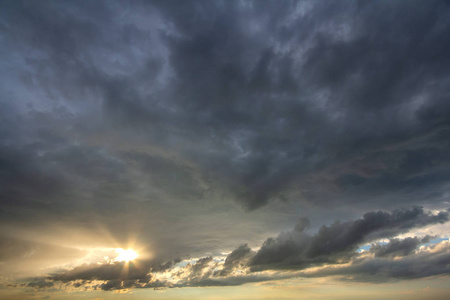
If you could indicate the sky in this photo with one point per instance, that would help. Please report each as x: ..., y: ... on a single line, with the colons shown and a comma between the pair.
x: 224, y: 149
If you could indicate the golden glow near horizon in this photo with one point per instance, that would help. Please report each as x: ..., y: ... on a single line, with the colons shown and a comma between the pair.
x: 126, y: 255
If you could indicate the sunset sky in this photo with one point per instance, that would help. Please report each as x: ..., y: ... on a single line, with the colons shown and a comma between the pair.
x: 224, y: 149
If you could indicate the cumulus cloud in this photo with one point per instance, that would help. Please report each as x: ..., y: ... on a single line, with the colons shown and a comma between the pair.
x: 40, y: 284
x: 398, y: 247
x: 337, y: 242
x: 112, y: 271
x: 292, y: 254
x: 236, y: 260
x: 427, y: 263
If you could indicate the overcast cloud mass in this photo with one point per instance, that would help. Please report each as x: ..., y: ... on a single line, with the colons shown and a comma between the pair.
x: 227, y: 142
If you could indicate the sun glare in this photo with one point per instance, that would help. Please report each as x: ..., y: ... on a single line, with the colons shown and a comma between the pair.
x: 125, y: 255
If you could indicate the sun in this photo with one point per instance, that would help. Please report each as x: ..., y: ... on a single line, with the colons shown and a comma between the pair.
x: 126, y: 255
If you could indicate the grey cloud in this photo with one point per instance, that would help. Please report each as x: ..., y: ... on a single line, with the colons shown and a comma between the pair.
x: 117, y: 284
x: 290, y: 255
x: 40, y: 284
x: 237, y: 255
x: 339, y: 241
x: 158, y: 117
x: 302, y: 225
x: 397, y: 247
x: 233, y: 280
x: 115, y: 275
x: 200, y: 265
x: 136, y: 274
x: 136, y: 271
x: 243, y: 111
x: 113, y: 284
x: 374, y: 225
x: 420, y: 265
x: 330, y: 65
x: 237, y: 259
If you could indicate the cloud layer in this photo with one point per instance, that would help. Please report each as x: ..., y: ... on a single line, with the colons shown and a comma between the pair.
x: 188, y: 128
x: 332, y: 251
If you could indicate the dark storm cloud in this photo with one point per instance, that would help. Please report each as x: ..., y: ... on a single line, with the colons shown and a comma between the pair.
x: 151, y: 117
x: 237, y: 259
x: 418, y: 265
x: 338, y: 242
x: 397, y: 247
x: 266, y: 99
x: 360, y: 74
x: 99, y: 272
x: 200, y: 265
x: 139, y: 273
x: 114, y: 275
